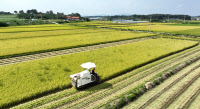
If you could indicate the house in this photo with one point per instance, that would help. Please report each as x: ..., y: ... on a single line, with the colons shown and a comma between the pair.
x: 69, y: 17
x: 75, y: 18
x: 127, y: 21
x: 34, y: 19
x: 195, y: 18
x: 72, y: 18
x: 95, y: 18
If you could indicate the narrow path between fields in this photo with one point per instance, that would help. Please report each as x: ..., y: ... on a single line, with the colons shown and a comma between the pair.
x: 37, y: 56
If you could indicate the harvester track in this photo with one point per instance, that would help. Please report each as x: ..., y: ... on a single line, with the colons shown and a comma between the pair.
x: 191, y: 99
x: 187, y: 97
x: 181, y: 91
x: 166, y: 88
x: 153, y: 95
x: 20, y: 59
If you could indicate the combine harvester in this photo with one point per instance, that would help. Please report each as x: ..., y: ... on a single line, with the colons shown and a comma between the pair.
x: 86, y: 77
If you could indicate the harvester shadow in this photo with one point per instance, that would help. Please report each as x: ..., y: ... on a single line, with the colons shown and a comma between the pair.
x: 93, y: 86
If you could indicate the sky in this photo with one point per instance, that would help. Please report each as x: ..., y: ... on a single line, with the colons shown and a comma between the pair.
x: 106, y: 7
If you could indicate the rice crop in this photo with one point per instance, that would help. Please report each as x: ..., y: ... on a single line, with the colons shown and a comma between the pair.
x: 186, y: 29
x: 29, y: 42
x: 28, y: 79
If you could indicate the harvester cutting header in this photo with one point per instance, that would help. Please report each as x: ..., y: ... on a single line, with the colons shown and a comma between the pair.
x: 85, y: 77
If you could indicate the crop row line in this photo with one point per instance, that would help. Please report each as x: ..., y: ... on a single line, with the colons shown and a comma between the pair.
x: 191, y: 99
x: 188, y: 73
x: 186, y: 99
x: 181, y: 91
x: 26, y: 58
x: 195, y: 104
x: 167, y: 88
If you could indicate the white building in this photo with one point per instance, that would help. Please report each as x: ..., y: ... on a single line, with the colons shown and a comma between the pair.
x: 128, y: 21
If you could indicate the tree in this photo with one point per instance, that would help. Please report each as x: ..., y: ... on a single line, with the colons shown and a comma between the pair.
x: 3, y: 24
x: 28, y: 11
x: 15, y: 12
x: 32, y: 11
x: 87, y: 19
x: 50, y: 12
x: 47, y: 12
x: 21, y: 12
x: 75, y: 15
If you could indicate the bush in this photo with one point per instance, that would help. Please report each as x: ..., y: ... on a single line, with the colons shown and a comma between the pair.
x: 121, y: 102
x: 3, y: 24
x: 160, y: 79
x: 107, y: 106
x: 138, y: 93
x: 171, y: 72
x: 156, y: 82
x: 143, y: 87
x: 61, y: 22
x: 131, y: 97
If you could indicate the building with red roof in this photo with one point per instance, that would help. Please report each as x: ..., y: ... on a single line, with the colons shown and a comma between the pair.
x: 72, y: 18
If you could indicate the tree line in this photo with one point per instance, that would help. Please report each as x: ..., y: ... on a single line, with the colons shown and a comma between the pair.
x: 152, y: 16
x: 34, y: 14
x: 5, y: 13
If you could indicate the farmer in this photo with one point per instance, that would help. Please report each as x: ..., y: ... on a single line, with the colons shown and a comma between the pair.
x: 94, y: 73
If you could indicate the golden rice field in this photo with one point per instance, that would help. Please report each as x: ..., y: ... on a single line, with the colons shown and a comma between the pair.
x: 155, y: 27
x: 37, y: 40
x: 23, y: 80
x: 122, y: 68
x: 16, y: 29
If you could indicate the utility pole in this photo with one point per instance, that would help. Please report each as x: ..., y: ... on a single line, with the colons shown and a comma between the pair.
x: 34, y: 18
x: 23, y: 19
x: 150, y: 25
x: 168, y: 19
x: 104, y: 22
x: 184, y: 19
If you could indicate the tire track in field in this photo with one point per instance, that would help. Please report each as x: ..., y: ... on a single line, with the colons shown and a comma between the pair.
x: 181, y: 91
x: 148, y: 97
x: 185, y: 99
x: 190, y: 100
x: 20, y: 59
x: 195, y: 104
x: 81, y: 101
x: 167, y: 88
x: 155, y: 67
